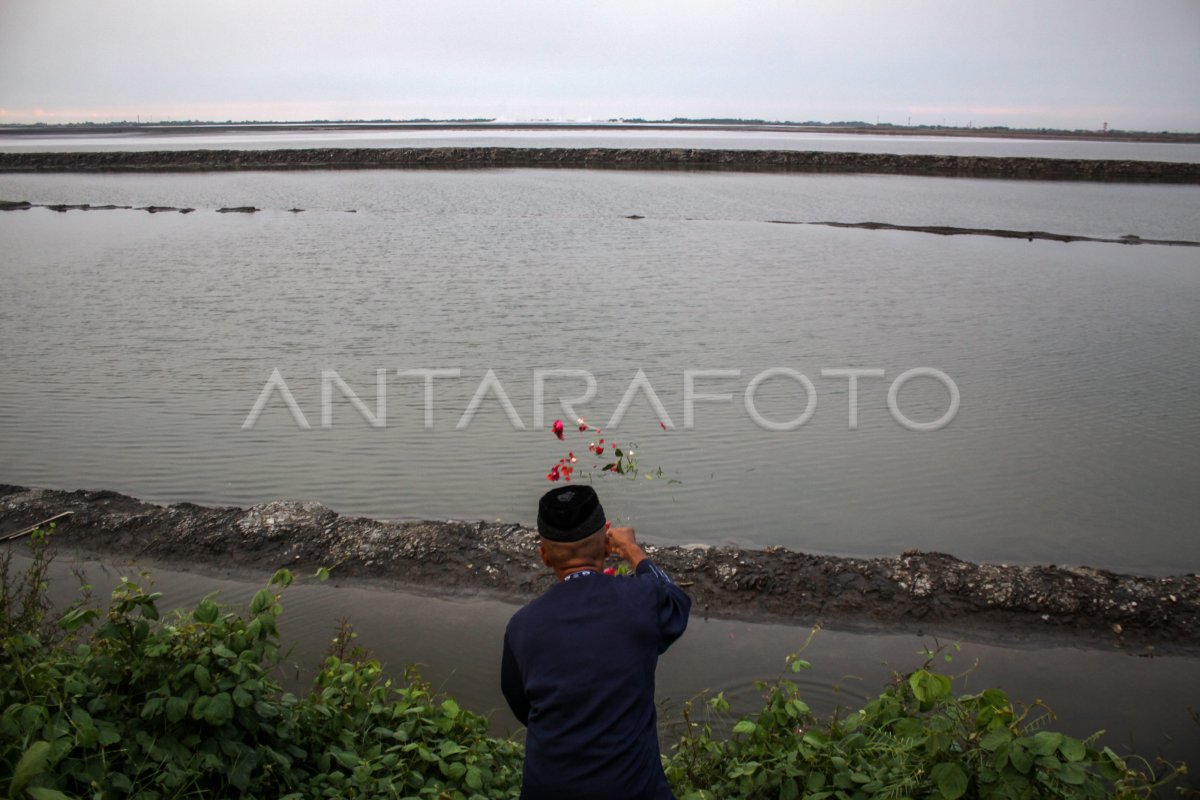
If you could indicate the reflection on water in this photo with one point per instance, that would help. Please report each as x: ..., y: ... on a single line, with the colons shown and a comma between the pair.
x: 730, y: 140
x: 1141, y: 702
x: 135, y: 345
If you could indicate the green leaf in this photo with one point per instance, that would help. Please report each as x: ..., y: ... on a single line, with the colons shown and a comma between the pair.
x: 1020, y: 758
x: 1046, y: 742
x: 219, y: 709
x: 474, y: 778
x: 263, y: 600
x: 936, y: 686
x: 200, y: 706
x: 206, y: 612
x: 149, y: 609
x: 950, y: 779
x: 242, y: 698
x: 177, y: 709
x: 76, y: 618
x: 916, y: 682
x: 32, y: 764
x: 745, y: 726
x: 107, y: 734
x: 38, y: 793
x: 993, y: 739
x: 322, y: 573
x: 450, y: 748
x: 152, y: 707
x: 1073, y: 774
x: 282, y: 577
x: 202, y: 677
x: 1072, y: 749
x: 86, y: 729
x: 239, y: 775
x: 996, y: 698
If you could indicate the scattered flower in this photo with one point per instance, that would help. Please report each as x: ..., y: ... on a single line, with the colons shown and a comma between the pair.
x: 622, y: 461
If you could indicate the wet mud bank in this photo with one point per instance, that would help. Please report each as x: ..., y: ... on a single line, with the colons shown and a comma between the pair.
x: 1002, y: 233
x: 914, y: 591
x: 614, y: 158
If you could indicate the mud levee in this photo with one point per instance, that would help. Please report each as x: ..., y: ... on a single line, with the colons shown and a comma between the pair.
x: 911, y: 591
x: 612, y: 158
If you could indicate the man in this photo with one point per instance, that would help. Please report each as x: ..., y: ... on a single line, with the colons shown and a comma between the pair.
x: 578, y: 665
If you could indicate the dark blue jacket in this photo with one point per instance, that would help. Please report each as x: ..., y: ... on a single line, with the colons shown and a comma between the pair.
x: 578, y: 672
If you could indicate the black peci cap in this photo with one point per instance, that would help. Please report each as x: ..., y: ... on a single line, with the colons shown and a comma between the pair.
x: 569, y: 513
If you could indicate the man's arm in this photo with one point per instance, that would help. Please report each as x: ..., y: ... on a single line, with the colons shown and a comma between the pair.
x: 624, y: 544
x: 673, y: 603
x: 512, y: 685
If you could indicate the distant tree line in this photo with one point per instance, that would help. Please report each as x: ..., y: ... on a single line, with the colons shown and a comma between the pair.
x: 836, y: 124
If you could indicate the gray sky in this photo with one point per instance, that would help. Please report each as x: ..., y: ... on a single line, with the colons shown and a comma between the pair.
x: 1046, y: 63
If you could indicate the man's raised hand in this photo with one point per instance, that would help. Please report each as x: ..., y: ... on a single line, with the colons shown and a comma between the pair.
x: 624, y: 544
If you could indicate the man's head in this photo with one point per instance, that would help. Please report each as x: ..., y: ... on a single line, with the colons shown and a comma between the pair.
x: 572, y: 525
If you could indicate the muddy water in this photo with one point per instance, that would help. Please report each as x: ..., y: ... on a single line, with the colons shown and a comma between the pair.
x: 1141, y: 702
x: 482, y: 136
x: 135, y: 346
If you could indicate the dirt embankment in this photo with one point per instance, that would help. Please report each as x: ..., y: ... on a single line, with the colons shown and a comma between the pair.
x: 615, y: 158
x: 912, y: 591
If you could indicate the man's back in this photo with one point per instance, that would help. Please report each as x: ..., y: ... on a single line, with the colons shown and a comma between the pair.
x: 578, y: 671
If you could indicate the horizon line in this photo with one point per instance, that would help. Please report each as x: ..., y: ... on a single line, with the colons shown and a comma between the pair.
x: 613, y: 121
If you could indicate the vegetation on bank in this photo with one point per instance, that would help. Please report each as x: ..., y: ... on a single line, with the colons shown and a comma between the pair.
x: 122, y: 701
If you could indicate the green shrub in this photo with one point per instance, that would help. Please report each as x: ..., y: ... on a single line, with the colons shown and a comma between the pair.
x: 916, y: 739
x: 119, y: 702
x: 135, y: 705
